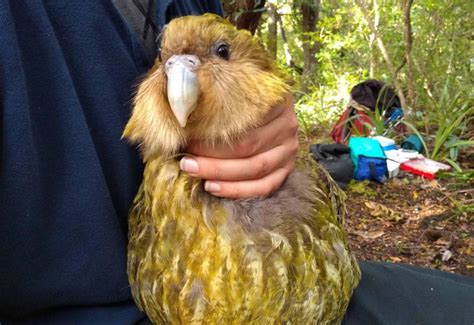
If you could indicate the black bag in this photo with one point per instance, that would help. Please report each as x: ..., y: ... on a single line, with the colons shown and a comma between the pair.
x: 337, y: 161
x: 375, y: 94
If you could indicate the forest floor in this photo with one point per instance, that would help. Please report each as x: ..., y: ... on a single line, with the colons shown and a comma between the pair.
x: 412, y: 220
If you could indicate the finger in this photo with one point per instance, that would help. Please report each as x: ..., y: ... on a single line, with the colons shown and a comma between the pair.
x: 239, y: 169
x: 251, y: 188
x: 257, y: 141
x: 280, y: 124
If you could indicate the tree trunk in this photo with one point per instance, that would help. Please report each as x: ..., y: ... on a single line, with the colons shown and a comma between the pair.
x: 286, y: 48
x: 372, y: 41
x: 272, y: 30
x: 244, y: 14
x: 310, y: 17
x: 383, y: 50
x: 408, y: 37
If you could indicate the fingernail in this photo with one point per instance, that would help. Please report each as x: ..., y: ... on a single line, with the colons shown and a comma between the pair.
x: 212, y: 187
x: 189, y: 165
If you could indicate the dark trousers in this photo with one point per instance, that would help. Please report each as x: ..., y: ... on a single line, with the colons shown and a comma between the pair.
x: 403, y: 294
x: 387, y: 294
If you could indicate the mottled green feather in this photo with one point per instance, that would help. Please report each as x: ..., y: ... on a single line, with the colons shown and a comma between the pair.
x: 192, y: 260
x: 198, y: 259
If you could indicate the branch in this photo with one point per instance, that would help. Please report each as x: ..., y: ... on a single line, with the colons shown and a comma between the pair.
x: 408, y: 38
x: 400, y: 67
x: 288, y: 58
x: 373, y: 28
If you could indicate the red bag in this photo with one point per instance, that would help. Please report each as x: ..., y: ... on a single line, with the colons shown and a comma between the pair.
x: 351, y: 122
x: 366, y: 98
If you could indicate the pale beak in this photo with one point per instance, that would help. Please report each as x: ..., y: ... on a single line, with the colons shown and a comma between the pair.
x: 183, y: 85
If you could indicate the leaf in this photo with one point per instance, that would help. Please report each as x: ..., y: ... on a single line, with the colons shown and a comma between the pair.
x: 383, y: 212
x: 454, y: 165
x: 442, y: 242
x: 371, y: 205
x: 405, y: 181
x: 358, y: 187
x: 460, y: 143
x: 417, y: 133
x: 369, y: 234
x: 395, y: 259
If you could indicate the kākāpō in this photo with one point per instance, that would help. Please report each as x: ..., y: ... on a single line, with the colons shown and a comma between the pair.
x: 196, y: 258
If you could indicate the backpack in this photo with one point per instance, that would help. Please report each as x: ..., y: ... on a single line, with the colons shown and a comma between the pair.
x: 369, y: 159
x: 351, y: 122
x: 366, y: 98
x: 335, y: 158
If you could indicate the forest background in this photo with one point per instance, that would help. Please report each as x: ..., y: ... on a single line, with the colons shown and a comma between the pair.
x: 423, y: 49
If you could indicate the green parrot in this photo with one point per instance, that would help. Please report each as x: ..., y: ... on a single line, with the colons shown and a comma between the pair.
x: 198, y: 259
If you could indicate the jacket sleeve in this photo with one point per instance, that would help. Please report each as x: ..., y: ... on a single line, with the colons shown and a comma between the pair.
x: 171, y: 9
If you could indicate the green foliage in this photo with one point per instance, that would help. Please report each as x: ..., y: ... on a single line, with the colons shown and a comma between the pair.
x: 446, y: 123
x: 441, y: 55
x: 459, y: 179
x: 361, y: 188
x: 413, y: 129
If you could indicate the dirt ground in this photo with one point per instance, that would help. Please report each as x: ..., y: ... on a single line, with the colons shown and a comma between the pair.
x: 413, y: 220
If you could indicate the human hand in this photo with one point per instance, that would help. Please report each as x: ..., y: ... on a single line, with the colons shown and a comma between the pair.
x: 254, y: 167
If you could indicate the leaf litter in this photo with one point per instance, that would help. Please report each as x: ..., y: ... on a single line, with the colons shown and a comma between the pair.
x: 413, y: 221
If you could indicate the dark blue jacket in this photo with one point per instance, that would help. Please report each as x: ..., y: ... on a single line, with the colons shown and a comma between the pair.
x: 67, y: 72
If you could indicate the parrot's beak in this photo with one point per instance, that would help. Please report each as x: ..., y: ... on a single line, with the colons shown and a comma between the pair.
x: 183, y: 85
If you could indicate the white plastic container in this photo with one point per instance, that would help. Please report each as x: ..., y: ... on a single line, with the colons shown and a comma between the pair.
x: 393, y: 168
x: 386, y: 143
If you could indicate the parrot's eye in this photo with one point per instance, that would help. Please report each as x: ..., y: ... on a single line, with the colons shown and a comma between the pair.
x: 222, y: 50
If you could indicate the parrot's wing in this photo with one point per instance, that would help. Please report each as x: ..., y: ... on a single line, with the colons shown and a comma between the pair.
x: 141, y: 238
x: 337, y: 196
x: 326, y: 184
